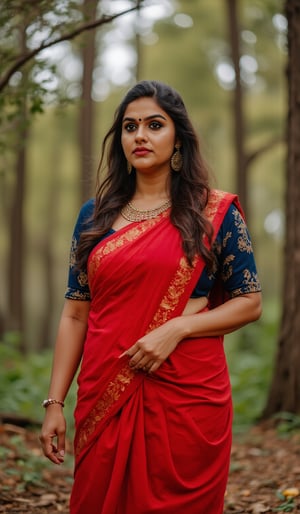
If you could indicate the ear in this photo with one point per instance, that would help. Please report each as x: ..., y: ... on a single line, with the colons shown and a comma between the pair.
x: 177, y: 143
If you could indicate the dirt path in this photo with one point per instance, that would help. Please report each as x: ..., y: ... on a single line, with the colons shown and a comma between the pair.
x: 263, y: 467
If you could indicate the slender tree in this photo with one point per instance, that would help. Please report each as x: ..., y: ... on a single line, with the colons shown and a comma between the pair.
x: 86, y: 110
x: 17, y: 229
x: 284, y: 394
x: 238, y: 114
x: 243, y: 158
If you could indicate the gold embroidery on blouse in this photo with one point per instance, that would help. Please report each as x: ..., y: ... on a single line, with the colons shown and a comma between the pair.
x: 251, y: 284
x: 227, y: 268
x: 82, y: 278
x: 227, y: 236
x: 72, y: 258
x: 76, y: 294
x: 244, y: 243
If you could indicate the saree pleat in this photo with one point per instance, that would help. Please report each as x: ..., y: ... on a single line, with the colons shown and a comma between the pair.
x: 144, y: 443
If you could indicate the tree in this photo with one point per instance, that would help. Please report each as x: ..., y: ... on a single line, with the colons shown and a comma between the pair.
x: 44, y: 24
x: 86, y: 112
x: 17, y: 233
x: 243, y: 158
x: 284, y: 394
x: 238, y: 114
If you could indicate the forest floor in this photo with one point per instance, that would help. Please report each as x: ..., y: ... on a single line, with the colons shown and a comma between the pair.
x: 264, y: 476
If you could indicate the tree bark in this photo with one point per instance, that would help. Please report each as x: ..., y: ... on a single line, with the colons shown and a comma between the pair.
x: 46, y: 250
x: 86, y: 114
x: 284, y: 394
x: 17, y: 233
x: 239, y: 125
x: 138, y: 43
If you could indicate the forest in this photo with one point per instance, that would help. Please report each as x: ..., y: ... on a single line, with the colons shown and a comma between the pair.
x: 64, y: 66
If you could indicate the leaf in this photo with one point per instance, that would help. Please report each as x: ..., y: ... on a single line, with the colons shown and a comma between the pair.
x: 258, y: 508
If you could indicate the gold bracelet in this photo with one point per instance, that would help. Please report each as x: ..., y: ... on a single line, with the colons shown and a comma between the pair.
x: 50, y: 401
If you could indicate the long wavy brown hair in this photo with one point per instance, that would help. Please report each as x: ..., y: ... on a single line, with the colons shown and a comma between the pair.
x: 189, y: 188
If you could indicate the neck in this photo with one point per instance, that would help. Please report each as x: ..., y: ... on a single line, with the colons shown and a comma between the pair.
x: 152, y: 189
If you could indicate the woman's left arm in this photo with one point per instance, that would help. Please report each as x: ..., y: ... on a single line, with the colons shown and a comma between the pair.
x: 223, y: 319
x: 151, y: 350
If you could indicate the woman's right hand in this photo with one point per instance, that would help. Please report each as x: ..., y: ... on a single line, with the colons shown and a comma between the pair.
x: 53, y: 434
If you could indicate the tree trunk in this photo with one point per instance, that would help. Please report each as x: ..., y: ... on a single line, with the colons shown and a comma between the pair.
x: 45, y: 339
x: 284, y: 394
x: 138, y: 43
x: 239, y: 126
x: 17, y: 233
x: 86, y: 117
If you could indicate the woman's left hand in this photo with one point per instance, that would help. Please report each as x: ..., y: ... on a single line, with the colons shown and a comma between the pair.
x: 151, y: 350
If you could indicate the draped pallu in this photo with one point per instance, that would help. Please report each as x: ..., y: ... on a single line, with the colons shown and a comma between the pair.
x: 144, y: 443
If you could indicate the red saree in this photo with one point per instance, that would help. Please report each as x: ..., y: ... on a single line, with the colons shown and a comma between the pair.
x: 155, y: 443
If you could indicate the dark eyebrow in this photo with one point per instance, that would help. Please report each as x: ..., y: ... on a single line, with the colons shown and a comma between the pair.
x: 147, y: 117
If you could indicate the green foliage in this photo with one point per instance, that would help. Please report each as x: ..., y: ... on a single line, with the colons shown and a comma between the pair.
x: 288, y: 423
x: 24, y: 381
x: 24, y: 466
x: 287, y: 505
x: 250, y: 352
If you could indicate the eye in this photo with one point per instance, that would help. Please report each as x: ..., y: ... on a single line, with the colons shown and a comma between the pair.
x: 155, y: 125
x: 130, y: 127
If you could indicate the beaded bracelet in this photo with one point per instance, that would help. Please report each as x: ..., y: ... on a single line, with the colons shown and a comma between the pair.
x: 50, y: 401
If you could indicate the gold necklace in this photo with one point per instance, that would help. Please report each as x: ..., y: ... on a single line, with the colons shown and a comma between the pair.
x: 131, y: 213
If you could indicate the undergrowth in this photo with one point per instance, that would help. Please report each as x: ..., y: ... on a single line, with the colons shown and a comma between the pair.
x: 250, y: 353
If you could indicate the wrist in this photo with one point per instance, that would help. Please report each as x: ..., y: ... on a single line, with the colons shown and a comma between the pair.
x: 182, y: 327
x: 52, y: 401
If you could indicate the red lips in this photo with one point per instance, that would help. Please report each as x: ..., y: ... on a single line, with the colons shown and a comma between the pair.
x: 141, y: 150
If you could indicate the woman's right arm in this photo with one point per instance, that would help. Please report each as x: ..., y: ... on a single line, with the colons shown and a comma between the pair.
x: 67, y: 356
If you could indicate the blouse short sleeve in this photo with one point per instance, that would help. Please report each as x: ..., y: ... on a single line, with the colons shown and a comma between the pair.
x: 235, y: 263
x: 77, y: 286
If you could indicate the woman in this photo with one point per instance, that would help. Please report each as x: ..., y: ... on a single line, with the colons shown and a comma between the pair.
x: 161, y: 268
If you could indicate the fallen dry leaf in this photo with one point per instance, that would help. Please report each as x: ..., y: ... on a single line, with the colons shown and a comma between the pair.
x: 258, y: 508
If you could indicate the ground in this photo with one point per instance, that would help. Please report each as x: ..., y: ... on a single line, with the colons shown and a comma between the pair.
x: 264, y: 476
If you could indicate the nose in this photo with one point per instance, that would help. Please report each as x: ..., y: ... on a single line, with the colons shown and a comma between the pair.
x: 140, y: 134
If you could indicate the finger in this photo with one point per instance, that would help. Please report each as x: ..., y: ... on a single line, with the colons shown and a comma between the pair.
x: 146, y: 367
x: 61, y: 447
x: 123, y: 354
x: 137, y: 360
x: 155, y: 366
x: 55, y: 456
x: 49, y: 448
x: 130, y: 352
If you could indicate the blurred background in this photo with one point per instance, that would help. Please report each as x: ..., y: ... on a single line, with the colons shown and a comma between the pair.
x: 227, y: 58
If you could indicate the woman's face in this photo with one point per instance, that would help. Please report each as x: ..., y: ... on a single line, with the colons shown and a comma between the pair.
x: 148, y: 136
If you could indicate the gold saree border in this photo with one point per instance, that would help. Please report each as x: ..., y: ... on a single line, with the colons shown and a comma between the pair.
x: 118, y: 242
x: 215, y: 198
x: 113, y: 392
x: 125, y: 376
x: 170, y: 300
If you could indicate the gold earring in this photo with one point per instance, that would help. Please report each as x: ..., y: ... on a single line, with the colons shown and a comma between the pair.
x: 129, y: 167
x: 176, y: 159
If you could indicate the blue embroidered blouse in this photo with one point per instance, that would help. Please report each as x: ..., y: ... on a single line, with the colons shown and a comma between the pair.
x: 235, y: 263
